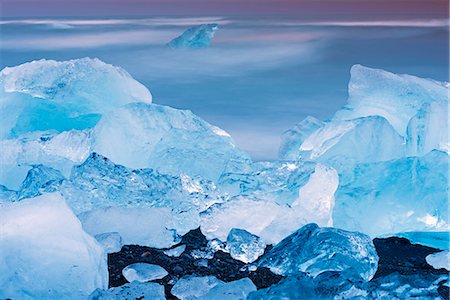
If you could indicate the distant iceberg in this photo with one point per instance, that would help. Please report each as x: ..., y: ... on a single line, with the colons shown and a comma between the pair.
x: 195, y: 37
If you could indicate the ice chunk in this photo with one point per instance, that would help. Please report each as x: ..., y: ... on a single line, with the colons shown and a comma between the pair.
x: 111, y: 241
x: 146, y: 226
x: 143, y: 272
x: 191, y: 287
x: 234, y: 290
x: 439, y: 260
x: 133, y: 290
x: 170, y: 140
x: 397, y: 98
x: 438, y: 240
x: 366, y: 139
x: 244, y: 246
x: 199, y: 36
x: 408, y: 194
x: 315, y: 250
x: 40, y: 179
x: 293, y: 138
x: 45, y: 252
x: 63, y: 95
x: 175, y: 252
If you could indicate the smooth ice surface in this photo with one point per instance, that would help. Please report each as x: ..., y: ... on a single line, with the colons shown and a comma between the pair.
x: 133, y: 290
x: 292, y: 139
x: 146, y: 226
x: 110, y: 241
x: 175, y: 252
x: 173, y: 141
x: 192, y: 287
x: 439, y: 260
x: 408, y: 194
x: 315, y: 250
x: 397, y: 98
x: 195, y: 37
x: 438, y: 240
x: 143, y: 272
x: 63, y: 95
x: 244, y: 246
x: 45, y: 252
x: 234, y: 290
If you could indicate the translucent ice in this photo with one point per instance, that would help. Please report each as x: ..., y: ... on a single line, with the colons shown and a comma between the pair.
x: 45, y: 252
x: 175, y: 252
x: 234, y: 290
x: 244, y: 246
x: 438, y: 240
x: 40, y: 179
x: 133, y: 290
x: 48, y: 94
x: 173, y: 141
x: 192, y: 287
x: 315, y: 250
x: 195, y: 37
x: 110, y: 241
x: 143, y: 272
x: 439, y: 260
x: 146, y: 226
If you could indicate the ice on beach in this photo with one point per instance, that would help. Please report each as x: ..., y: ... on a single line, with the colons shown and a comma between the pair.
x: 110, y: 241
x: 143, y: 272
x: 234, y: 290
x: 146, y: 226
x: 63, y: 95
x: 199, y: 36
x: 175, y: 252
x: 315, y: 250
x: 45, y: 252
x: 439, y: 260
x: 172, y: 141
x: 192, y: 287
x: 244, y: 246
x: 133, y: 290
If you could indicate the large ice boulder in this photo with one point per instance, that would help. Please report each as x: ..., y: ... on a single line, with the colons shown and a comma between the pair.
x: 63, y: 95
x: 407, y: 194
x: 315, y: 250
x: 133, y: 290
x: 173, y: 141
x: 199, y: 36
x: 45, y: 254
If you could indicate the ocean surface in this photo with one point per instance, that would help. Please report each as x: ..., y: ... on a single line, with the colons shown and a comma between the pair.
x: 260, y: 76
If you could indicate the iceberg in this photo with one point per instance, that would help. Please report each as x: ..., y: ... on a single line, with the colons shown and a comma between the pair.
x: 143, y: 272
x: 315, y: 250
x: 133, y: 290
x: 244, y: 246
x: 62, y: 95
x: 195, y: 37
x: 45, y: 252
x: 172, y: 141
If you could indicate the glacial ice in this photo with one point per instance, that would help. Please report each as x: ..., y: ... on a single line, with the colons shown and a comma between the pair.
x: 45, y: 252
x: 110, y: 241
x: 439, y: 260
x: 133, y: 290
x: 438, y: 240
x: 234, y: 290
x: 172, y: 141
x: 47, y: 94
x: 143, y: 272
x: 199, y: 36
x: 192, y: 287
x: 146, y: 226
x: 175, y: 252
x: 314, y: 250
x: 244, y: 246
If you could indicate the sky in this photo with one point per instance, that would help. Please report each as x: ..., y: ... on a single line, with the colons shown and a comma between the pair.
x: 326, y: 9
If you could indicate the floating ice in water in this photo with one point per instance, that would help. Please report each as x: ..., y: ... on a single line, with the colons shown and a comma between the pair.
x: 146, y: 226
x: 175, y: 252
x: 438, y: 240
x: 143, y: 272
x: 133, y: 290
x: 408, y: 194
x: 234, y: 290
x: 192, y: 287
x: 199, y: 36
x: 293, y: 138
x: 110, y: 241
x: 48, y: 94
x: 244, y: 246
x: 439, y: 260
x: 315, y: 250
x: 45, y: 252
x: 172, y: 141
